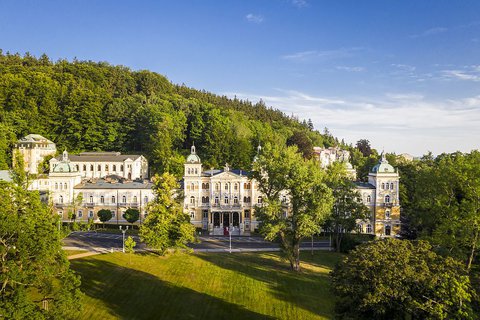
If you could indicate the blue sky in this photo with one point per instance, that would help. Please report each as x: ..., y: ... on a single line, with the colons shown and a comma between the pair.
x: 403, y: 74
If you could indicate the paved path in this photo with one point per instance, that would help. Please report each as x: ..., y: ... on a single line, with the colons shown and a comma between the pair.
x: 106, y: 242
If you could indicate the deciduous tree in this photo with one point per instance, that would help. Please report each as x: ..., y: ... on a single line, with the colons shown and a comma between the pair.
x: 283, y: 171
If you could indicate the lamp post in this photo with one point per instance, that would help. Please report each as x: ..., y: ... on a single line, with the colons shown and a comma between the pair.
x: 230, y: 234
x: 123, y: 238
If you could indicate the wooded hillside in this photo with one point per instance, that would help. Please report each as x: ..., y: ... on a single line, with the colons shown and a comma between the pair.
x: 85, y: 105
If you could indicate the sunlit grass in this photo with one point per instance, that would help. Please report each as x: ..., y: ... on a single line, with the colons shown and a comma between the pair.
x: 205, y: 286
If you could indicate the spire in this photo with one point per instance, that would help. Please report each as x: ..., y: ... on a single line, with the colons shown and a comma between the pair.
x: 65, y: 155
x: 192, y: 150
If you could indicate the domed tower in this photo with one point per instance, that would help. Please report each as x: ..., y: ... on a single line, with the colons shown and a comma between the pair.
x: 387, y: 204
x: 193, y: 165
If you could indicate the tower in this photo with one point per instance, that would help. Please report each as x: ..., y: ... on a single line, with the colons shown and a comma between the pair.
x: 387, y: 205
x: 193, y: 165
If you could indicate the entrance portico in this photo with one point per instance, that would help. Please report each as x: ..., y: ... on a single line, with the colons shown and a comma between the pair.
x: 222, y: 220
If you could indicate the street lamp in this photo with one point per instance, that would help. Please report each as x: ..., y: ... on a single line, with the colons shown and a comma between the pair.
x: 123, y: 240
x: 230, y: 234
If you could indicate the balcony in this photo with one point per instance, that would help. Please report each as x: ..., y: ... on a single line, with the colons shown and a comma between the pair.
x: 90, y: 204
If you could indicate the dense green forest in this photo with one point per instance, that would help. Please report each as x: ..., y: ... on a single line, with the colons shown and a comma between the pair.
x: 85, y: 105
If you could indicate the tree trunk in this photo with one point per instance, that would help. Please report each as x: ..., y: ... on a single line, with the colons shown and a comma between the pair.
x: 472, y: 252
x: 296, y: 257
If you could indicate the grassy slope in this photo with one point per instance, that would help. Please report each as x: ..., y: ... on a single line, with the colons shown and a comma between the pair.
x: 205, y: 286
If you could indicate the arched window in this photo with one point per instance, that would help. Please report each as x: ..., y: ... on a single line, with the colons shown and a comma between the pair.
x: 260, y: 199
x: 60, y: 199
x: 188, y: 170
x: 235, y: 187
x: 114, y: 168
x: 113, y: 199
x: 360, y: 228
x: 192, y: 200
x: 387, y: 198
x: 56, y: 186
x: 391, y: 186
x: 106, y: 167
x: 226, y: 186
x: 217, y: 186
x: 225, y: 200
x: 192, y: 186
x: 235, y: 200
x: 369, y: 228
x: 134, y: 199
x: 145, y: 200
x: 383, y: 185
x: 91, y: 167
x: 196, y: 171
x: 207, y: 185
x: 124, y: 199
x: 387, y: 214
x: 244, y: 199
x: 369, y: 199
x: 65, y: 186
x: 217, y: 200
x: 84, y: 167
x: 121, y: 168
x: 388, y: 230
x: 99, y: 168
x: 102, y: 199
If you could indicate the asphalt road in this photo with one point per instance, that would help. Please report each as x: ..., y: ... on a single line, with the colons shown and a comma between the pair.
x: 105, y: 241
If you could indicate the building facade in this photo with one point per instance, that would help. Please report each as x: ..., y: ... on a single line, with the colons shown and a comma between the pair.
x: 226, y: 198
x: 219, y: 199
x: 34, y: 148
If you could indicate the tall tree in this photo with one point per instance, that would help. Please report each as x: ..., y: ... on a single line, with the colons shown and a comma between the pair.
x: 364, y: 146
x: 401, y: 279
x: 166, y: 225
x: 348, y: 207
x: 282, y: 171
x: 34, y: 268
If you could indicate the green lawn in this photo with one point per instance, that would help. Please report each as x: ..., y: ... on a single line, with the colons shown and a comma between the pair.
x: 74, y: 252
x: 205, y: 286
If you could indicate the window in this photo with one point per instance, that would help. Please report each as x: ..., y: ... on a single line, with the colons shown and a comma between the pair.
x: 369, y: 199
x: 113, y: 214
x: 145, y: 200
x: 383, y: 185
x: 102, y: 199
x: 205, y: 199
x: 56, y: 186
x: 387, y: 214
x: 65, y: 186
x: 235, y: 200
x: 192, y: 186
x: 217, y: 200
x: 284, y: 199
x: 246, y: 185
x: 121, y: 168
x: 91, y: 167
x: 205, y: 214
x: 60, y: 199
x: 84, y: 167
x: 235, y: 187
x: 260, y: 199
x: 134, y: 199
x: 226, y: 186
x: 124, y: 199
x: 388, y: 230
x: 387, y: 199
x: 391, y: 186
x: 369, y: 228
x: 114, y: 168
x: 113, y: 199
x: 80, y: 213
x: 106, y: 167
x: 192, y: 214
x: 91, y: 199
x: 196, y: 171
x: 90, y: 214
x: 99, y: 168
x: 359, y: 228
x: 192, y: 200
x: 225, y: 200
x: 217, y: 186
x: 188, y: 171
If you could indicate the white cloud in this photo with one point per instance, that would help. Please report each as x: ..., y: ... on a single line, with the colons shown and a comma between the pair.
x: 429, y: 32
x: 399, y: 122
x: 350, y: 69
x: 310, y: 55
x: 467, y: 73
x: 254, y: 18
x: 300, y: 3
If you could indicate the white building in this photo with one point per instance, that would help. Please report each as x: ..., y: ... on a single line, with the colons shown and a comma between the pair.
x: 101, y: 164
x: 219, y: 199
x: 34, y: 148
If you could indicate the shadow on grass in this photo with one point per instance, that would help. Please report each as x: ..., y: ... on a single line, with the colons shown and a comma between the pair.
x: 307, y: 290
x: 133, y: 294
